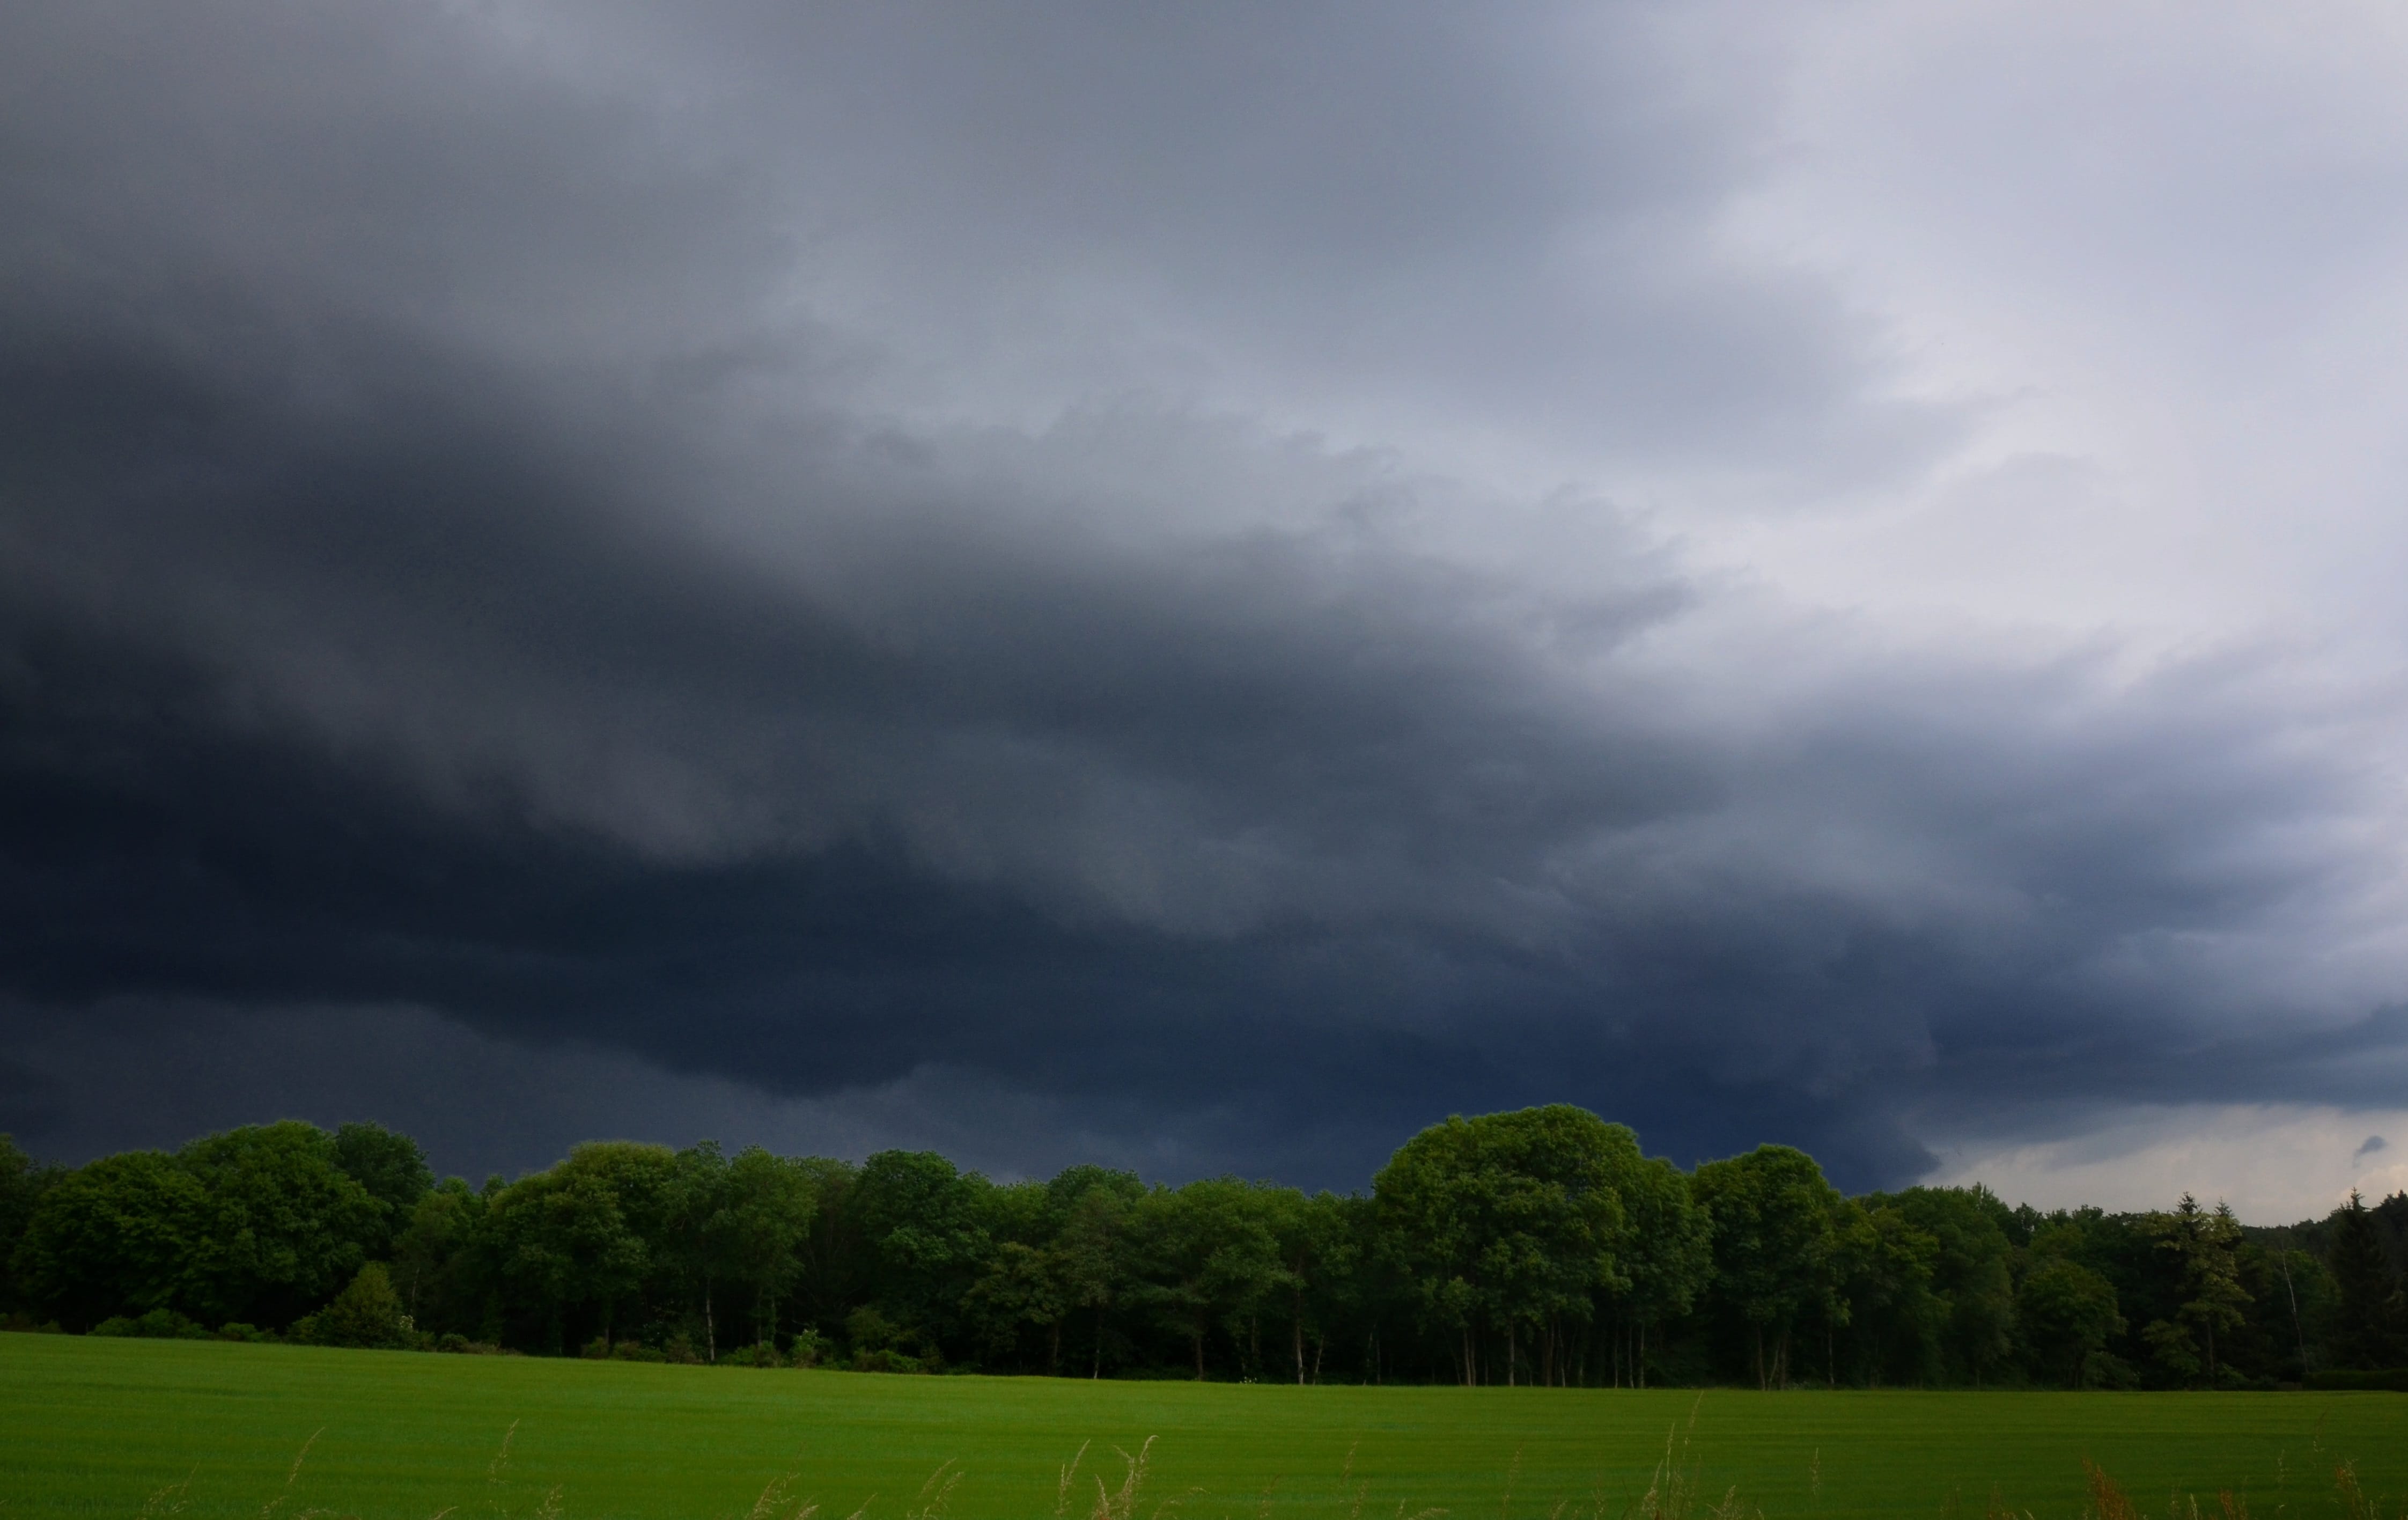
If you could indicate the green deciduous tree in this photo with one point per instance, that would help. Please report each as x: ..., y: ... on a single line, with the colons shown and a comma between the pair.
x: 116, y: 1237
x: 390, y: 1167
x: 754, y: 1235
x: 834, y: 1257
x: 431, y: 1265
x: 922, y: 1229
x: 1666, y: 1255
x: 1094, y: 1245
x: 2066, y: 1315
x: 286, y: 1226
x: 578, y: 1237
x: 1773, y: 1245
x: 1884, y: 1265
x: 23, y: 1183
x: 1508, y: 1224
x: 1022, y: 1289
x: 1321, y: 1249
x: 367, y: 1313
x: 1208, y: 1257
x: 1971, y: 1275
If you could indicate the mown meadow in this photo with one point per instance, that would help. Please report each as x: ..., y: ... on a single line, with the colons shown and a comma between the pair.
x: 198, y: 1430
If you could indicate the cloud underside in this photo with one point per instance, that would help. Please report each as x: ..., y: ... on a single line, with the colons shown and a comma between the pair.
x: 514, y: 569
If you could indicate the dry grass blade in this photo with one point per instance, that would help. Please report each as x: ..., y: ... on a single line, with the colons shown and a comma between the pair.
x: 1668, y: 1496
x: 2108, y: 1500
x: 1675, y: 1486
x: 1651, y: 1503
x: 1731, y: 1509
x: 168, y: 1501
x: 501, y: 1462
x: 773, y: 1498
x: 937, y: 1492
x: 1062, y: 1489
x: 293, y: 1476
x: 2354, y: 1502
x: 1175, y: 1500
x: 1123, y: 1505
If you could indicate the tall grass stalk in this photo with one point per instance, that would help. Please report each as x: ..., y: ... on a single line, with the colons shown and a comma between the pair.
x: 267, y: 1510
x: 1070, y: 1476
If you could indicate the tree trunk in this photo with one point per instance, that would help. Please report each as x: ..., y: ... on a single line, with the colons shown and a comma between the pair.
x: 1096, y: 1369
x: 709, y: 1328
x: 1054, y: 1348
x: 2296, y: 1328
x: 1199, y: 1356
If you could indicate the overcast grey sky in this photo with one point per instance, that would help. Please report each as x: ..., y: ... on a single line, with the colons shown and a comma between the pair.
x: 1199, y: 587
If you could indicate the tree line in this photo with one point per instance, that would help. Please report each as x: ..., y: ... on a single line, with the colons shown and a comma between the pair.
x: 1539, y: 1246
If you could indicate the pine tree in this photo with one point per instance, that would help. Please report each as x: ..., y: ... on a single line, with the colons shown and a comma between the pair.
x: 2365, y: 1332
x: 2205, y: 1244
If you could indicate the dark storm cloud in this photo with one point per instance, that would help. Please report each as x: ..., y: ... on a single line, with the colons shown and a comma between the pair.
x: 482, y: 559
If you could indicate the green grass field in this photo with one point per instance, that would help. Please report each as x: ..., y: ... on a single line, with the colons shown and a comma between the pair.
x: 100, y: 1427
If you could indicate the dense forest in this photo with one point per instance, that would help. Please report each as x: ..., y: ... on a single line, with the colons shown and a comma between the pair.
x: 1539, y: 1246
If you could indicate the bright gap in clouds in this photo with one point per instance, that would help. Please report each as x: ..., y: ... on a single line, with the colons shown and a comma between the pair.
x: 2274, y: 1164
x: 2160, y: 257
